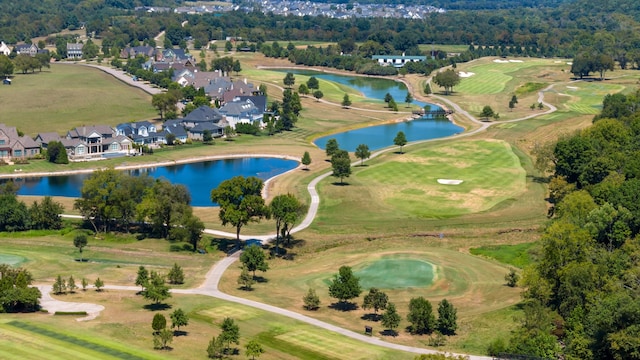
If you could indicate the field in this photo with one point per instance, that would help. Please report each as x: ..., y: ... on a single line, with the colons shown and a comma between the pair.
x: 392, y: 208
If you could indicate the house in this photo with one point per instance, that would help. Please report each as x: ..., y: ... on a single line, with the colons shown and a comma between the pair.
x: 238, y: 88
x: 131, y: 52
x: 241, y: 112
x: 141, y: 132
x: 174, y: 55
x: 97, y: 141
x: 4, y: 49
x: 201, y: 115
x: 26, y: 49
x: 397, y: 61
x: 260, y: 101
x: 74, y: 51
x: 13, y: 146
x: 176, y: 128
x: 197, y: 132
x: 43, y: 139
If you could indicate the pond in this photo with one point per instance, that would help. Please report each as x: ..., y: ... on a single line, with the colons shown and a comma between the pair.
x: 381, y: 136
x: 200, y: 178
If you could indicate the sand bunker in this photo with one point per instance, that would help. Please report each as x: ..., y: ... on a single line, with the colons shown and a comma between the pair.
x: 449, y: 182
x: 500, y: 61
x: 516, y: 61
x: 572, y: 87
x: 463, y: 74
x: 569, y: 63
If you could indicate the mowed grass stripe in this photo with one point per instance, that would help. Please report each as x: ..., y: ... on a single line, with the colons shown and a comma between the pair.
x: 221, y: 312
x: 325, y: 345
x: 83, y: 344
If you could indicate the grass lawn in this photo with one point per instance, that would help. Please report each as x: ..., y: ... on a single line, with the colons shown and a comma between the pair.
x: 67, y: 96
x: 519, y: 255
x: 489, y: 170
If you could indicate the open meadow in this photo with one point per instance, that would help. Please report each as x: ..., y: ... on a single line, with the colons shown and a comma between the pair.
x: 392, y: 214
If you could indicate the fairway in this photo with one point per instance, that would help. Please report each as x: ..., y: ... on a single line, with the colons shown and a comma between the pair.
x: 492, y: 78
x: 395, y: 272
x: 586, y: 97
x: 490, y: 171
x: 12, y: 260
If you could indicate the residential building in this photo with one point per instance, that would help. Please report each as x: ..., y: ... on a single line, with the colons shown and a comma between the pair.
x: 74, y: 51
x: 26, y: 49
x: 13, y: 146
x: 4, y: 49
x: 397, y: 60
x: 241, y: 112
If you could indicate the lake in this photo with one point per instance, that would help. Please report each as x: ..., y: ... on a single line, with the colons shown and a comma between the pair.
x: 381, y: 136
x: 200, y: 178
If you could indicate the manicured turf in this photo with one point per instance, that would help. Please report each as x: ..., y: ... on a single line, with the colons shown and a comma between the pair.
x: 24, y: 340
x: 586, y: 97
x: 517, y: 255
x: 12, y: 260
x: 491, y: 78
x: 490, y: 172
x: 395, y: 272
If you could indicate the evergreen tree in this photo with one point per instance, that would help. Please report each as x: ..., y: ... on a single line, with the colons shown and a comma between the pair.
x: 158, y: 323
x: 245, y: 279
x: 85, y: 284
x: 59, y: 286
x: 391, y: 319
x: 230, y: 332
x: 176, y: 275
x: 306, y: 159
x: 98, y: 284
x: 346, y: 101
x: 447, y: 318
x: 215, y: 350
x: 311, y: 300
x: 143, y: 277
x: 71, y: 284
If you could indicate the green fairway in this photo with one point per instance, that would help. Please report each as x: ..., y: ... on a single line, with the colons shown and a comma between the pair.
x: 489, y: 170
x: 586, y: 97
x: 12, y: 260
x: 492, y: 78
x: 395, y: 272
x: 517, y: 255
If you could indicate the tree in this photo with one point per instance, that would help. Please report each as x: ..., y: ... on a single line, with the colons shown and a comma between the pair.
x: 162, y: 339
x: 511, y: 105
x: 179, y: 318
x: 215, y: 349
x: 421, y: 316
x: 289, y: 80
x: 387, y: 98
x: 346, y: 101
x: 98, y: 284
x: 253, y: 349
x: 540, y: 106
x: 85, y: 284
x: 228, y: 46
x: 447, y: 318
x: 285, y: 209
x: 306, y: 160
x: 303, y: 89
x: 207, y: 138
x: 391, y: 319
x: 245, y: 279
x: 427, y: 89
x: 157, y: 290
x: 158, y: 323
x: 392, y: 105
x: 362, y: 153
x: 176, y: 275
x: 237, y: 67
x: 400, y: 140
x: 408, y: 99
x: 311, y: 300
x: 376, y: 300
x: 487, y: 112
x: 6, y: 66
x: 142, y: 278
x: 533, y: 106
x: 512, y: 278
x: 164, y: 103
x: 59, y: 286
x: 230, y: 332
x: 447, y: 79
x: 71, y: 284
x: 80, y: 241
x: 514, y: 99
x: 313, y: 83
x: 341, y: 164
x: 56, y: 153
x: 253, y: 258
x: 318, y: 95
x: 240, y: 201
x: 46, y: 215
x: 345, y: 286
x: 331, y: 147
x: 16, y: 293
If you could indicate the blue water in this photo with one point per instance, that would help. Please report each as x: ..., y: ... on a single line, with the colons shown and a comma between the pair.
x: 200, y: 178
x: 381, y: 136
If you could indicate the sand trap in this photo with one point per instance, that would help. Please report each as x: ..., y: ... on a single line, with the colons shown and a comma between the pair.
x: 516, y: 61
x: 463, y: 74
x: 449, y: 182
x: 572, y: 87
x: 557, y: 62
x: 570, y: 63
x: 500, y: 61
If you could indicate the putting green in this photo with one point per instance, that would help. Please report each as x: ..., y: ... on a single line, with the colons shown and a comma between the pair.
x: 395, y: 273
x: 12, y: 260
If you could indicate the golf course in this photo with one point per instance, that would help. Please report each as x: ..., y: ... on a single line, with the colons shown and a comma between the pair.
x: 442, y: 219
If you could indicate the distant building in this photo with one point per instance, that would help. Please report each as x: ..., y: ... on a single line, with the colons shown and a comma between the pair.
x: 4, y: 49
x: 397, y: 60
x: 26, y: 49
x: 74, y: 51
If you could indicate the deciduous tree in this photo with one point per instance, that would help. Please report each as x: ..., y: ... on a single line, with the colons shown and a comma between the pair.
x: 331, y: 147
x: 376, y: 300
x: 362, y: 153
x: 179, y: 318
x: 98, y: 284
x: 285, y: 209
x: 391, y: 319
x: 176, y: 275
x: 253, y: 259
x: 245, y: 279
x: 346, y: 101
x: 421, y: 316
x: 158, y: 323
x: 157, y: 290
x: 447, y: 79
x: 345, y: 286
x: 240, y: 201
x: 400, y: 140
x: 447, y: 318
x: 80, y: 241
x: 341, y: 164
x: 230, y: 332
x: 253, y: 349
x: 142, y: 278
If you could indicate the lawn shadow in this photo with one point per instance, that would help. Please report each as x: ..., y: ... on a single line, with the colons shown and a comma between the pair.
x: 225, y: 245
x: 340, y: 183
x: 539, y: 179
x: 260, y: 279
x: 245, y: 288
x: 157, y: 307
x: 344, y: 306
x: 371, y: 317
x: 177, y: 333
x: 388, y: 333
x: 282, y: 253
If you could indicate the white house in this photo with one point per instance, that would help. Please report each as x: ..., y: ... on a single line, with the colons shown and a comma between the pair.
x: 397, y: 60
x: 4, y: 49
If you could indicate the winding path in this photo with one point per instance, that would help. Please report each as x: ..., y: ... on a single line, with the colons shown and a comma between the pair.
x: 212, y: 279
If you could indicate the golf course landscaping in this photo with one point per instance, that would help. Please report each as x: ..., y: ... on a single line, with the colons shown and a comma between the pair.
x: 437, y: 220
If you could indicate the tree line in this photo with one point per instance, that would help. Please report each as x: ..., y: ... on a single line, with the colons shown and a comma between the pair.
x: 582, y: 296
